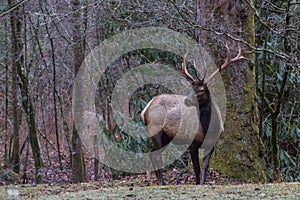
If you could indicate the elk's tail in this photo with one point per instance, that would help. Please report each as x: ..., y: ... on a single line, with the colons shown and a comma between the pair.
x: 144, y: 111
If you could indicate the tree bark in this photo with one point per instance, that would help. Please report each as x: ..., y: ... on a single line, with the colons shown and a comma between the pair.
x: 7, y: 75
x: 18, y: 72
x: 78, y: 165
x: 16, y: 25
x: 239, y: 150
x: 30, y: 117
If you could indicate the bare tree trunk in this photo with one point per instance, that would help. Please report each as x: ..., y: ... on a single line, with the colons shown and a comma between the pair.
x: 78, y: 165
x: 24, y: 176
x: 96, y: 159
x: 6, y: 136
x: 30, y: 114
x: 45, y: 132
x: 16, y: 25
x: 65, y: 127
x: 54, y: 93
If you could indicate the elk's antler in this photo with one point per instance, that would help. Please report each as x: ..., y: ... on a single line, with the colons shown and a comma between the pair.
x: 185, y: 71
x: 196, y: 72
x: 226, y: 63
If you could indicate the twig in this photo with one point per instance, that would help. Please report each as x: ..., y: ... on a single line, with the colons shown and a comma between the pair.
x: 6, y: 11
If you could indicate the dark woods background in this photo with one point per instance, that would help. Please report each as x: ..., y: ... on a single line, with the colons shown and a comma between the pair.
x: 43, y: 44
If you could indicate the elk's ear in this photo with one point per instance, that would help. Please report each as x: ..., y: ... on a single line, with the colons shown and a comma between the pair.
x: 185, y: 83
x: 210, y: 84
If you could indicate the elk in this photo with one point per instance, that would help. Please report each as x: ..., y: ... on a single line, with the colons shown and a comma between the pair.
x: 166, y: 112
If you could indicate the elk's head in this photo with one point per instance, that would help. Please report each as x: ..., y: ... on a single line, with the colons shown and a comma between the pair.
x: 200, y: 94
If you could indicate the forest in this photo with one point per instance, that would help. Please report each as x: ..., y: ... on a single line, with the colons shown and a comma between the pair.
x: 76, y: 75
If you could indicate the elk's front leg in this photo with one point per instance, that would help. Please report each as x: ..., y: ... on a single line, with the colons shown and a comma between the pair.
x: 205, y: 166
x: 194, y: 150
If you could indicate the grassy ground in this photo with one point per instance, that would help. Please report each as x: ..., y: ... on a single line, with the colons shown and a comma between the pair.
x: 129, y: 191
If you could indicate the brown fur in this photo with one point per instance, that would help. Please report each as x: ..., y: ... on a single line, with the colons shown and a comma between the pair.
x: 169, y: 113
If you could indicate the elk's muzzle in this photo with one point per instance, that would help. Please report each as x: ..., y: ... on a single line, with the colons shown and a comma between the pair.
x: 191, y: 100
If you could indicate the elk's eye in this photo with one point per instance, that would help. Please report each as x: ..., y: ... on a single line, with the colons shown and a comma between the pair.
x: 201, y: 89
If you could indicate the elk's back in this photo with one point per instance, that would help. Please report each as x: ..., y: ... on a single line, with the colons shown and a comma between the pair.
x: 169, y: 113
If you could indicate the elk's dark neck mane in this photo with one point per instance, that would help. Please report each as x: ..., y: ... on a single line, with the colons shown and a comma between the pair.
x: 205, y: 114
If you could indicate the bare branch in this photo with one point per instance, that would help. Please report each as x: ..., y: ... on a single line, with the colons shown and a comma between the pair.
x: 9, y: 9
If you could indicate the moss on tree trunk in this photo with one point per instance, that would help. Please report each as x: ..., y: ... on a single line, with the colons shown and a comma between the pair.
x: 239, y: 151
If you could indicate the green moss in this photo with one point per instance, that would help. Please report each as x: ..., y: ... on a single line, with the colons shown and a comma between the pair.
x: 238, y: 152
x: 8, y: 176
x: 255, y: 128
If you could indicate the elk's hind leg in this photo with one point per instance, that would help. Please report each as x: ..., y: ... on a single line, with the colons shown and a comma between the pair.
x: 159, y: 141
